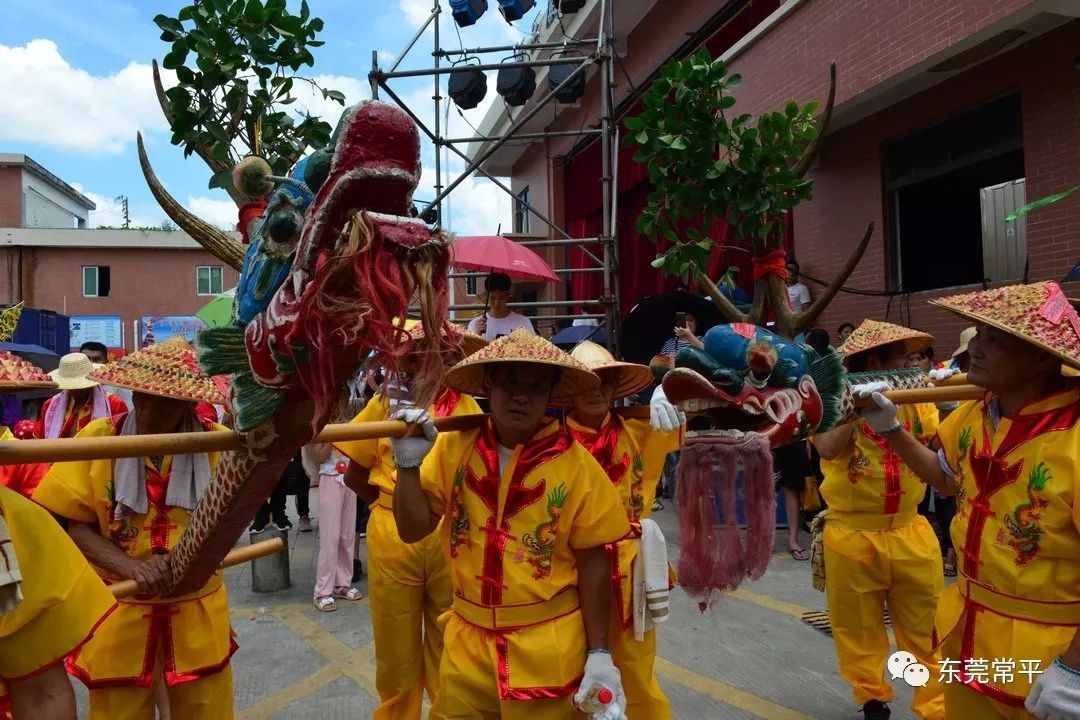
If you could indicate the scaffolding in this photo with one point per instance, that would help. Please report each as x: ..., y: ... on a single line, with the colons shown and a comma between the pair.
x: 602, y: 57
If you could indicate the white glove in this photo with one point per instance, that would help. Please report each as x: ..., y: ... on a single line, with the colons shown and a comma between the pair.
x: 1056, y: 694
x: 882, y: 416
x: 601, y: 674
x: 939, y: 374
x: 410, y: 451
x: 662, y: 414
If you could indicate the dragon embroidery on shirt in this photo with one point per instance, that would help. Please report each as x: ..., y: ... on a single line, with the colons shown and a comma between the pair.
x: 541, y: 542
x: 459, y: 519
x: 1022, y: 524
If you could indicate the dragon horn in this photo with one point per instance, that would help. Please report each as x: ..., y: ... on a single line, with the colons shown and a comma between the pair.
x: 218, y: 242
x: 803, y: 165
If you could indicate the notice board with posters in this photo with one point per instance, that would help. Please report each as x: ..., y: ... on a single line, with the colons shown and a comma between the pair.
x: 158, y: 328
x: 105, y: 329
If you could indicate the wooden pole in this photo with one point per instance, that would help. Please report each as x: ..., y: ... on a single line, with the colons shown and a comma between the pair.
x: 237, y: 556
x: 948, y: 393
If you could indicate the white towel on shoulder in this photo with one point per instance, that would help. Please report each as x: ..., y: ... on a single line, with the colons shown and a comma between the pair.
x: 650, y: 580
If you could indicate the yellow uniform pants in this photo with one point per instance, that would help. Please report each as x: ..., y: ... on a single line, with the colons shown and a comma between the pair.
x: 409, y: 588
x: 963, y: 702
x: 867, y: 569
x: 208, y: 698
x: 635, y: 660
x: 469, y: 682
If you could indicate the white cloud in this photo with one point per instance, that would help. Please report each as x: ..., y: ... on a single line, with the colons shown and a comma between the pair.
x: 415, y: 11
x: 386, y: 56
x: 221, y: 213
x: 48, y: 101
x: 478, y: 207
x: 110, y: 211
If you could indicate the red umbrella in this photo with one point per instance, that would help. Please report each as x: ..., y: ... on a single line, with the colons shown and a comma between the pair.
x: 494, y: 253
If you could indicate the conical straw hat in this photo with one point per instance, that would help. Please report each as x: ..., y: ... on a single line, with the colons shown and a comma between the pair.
x: 629, y: 378
x: 874, y: 334
x: 522, y: 346
x: 1038, y: 313
x: 18, y: 374
x: 168, y: 369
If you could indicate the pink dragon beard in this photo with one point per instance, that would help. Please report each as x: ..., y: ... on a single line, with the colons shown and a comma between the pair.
x: 713, y: 559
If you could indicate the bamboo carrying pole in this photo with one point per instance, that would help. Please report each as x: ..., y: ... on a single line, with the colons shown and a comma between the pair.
x: 102, y: 448
x: 238, y: 556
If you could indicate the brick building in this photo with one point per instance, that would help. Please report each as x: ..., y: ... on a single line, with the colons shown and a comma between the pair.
x: 948, y: 114
x: 50, y: 260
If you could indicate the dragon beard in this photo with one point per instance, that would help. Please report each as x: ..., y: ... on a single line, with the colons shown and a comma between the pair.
x: 713, y: 558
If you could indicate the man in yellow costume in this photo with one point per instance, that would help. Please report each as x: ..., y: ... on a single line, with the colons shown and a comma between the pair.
x: 632, y: 454
x: 527, y: 515
x: 51, y: 602
x: 126, y: 516
x: 879, y: 552
x: 408, y: 584
x: 1010, y: 627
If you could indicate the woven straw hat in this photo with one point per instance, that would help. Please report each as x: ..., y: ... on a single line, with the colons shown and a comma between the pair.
x: 168, y: 369
x: 965, y: 339
x: 470, y: 342
x: 73, y: 372
x: 522, y: 346
x: 1038, y: 313
x: 874, y: 334
x: 18, y: 374
x: 629, y: 378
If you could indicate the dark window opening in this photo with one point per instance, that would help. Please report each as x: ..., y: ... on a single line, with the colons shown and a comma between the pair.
x: 95, y: 281
x: 935, y: 180
x: 521, y: 212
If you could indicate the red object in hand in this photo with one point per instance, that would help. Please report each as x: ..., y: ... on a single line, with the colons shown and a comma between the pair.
x: 605, y: 696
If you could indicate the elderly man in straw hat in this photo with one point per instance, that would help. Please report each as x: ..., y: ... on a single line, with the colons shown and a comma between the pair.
x: 528, y: 513
x: 632, y: 454
x: 409, y: 584
x: 80, y: 400
x: 51, y: 602
x: 878, y: 550
x: 126, y: 516
x: 1012, y: 460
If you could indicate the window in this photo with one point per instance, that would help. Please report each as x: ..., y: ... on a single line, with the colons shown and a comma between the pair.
x: 470, y: 285
x: 945, y: 188
x: 521, y: 212
x: 95, y: 281
x: 208, y: 280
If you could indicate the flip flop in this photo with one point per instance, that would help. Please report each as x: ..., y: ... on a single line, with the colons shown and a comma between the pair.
x: 799, y: 554
x: 950, y: 570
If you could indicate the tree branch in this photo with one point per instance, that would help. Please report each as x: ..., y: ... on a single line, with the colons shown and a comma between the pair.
x: 727, y: 308
x: 803, y: 165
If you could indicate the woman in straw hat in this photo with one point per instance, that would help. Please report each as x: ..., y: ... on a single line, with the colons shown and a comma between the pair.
x: 632, y: 454
x: 528, y: 513
x: 51, y: 603
x: 878, y: 550
x: 126, y: 516
x: 17, y: 374
x: 409, y: 584
x: 1011, y: 459
x: 80, y: 399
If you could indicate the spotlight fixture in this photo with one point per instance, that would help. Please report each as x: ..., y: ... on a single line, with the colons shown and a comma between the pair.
x: 516, y: 84
x: 515, y: 9
x: 568, y: 7
x: 467, y: 12
x: 574, y: 90
x: 467, y: 87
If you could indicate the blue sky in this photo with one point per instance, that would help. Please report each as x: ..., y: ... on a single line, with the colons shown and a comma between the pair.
x: 77, y: 86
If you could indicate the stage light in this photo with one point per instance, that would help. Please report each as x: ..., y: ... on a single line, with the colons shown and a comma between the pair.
x: 568, y: 7
x: 574, y: 90
x: 466, y: 12
x: 467, y: 87
x: 516, y: 84
x: 515, y: 9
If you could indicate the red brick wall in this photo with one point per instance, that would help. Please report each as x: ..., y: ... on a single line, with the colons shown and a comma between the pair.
x: 10, y: 197
x: 848, y: 179
x: 143, y: 282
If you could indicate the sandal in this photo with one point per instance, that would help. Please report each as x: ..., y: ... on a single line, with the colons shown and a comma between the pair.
x: 950, y: 569
x: 799, y: 554
x: 348, y: 593
x: 657, y: 505
x: 324, y: 604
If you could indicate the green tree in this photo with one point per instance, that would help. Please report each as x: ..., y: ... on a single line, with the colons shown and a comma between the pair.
x: 236, y: 65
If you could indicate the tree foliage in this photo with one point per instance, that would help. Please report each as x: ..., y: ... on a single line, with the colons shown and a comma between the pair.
x: 236, y: 65
x: 706, y: 162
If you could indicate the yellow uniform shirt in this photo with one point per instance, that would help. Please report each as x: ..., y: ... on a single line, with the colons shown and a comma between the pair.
x: 510, y: 534
x: 1017, y: 536
x: 192, y: 631
x: 377, y: 455
x: 63, y: 601
x: 869, y: 477
x: 632, y: 455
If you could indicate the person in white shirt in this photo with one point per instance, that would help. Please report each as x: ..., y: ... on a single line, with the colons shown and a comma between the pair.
x: 798, y: 294
x: 499, y: 320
